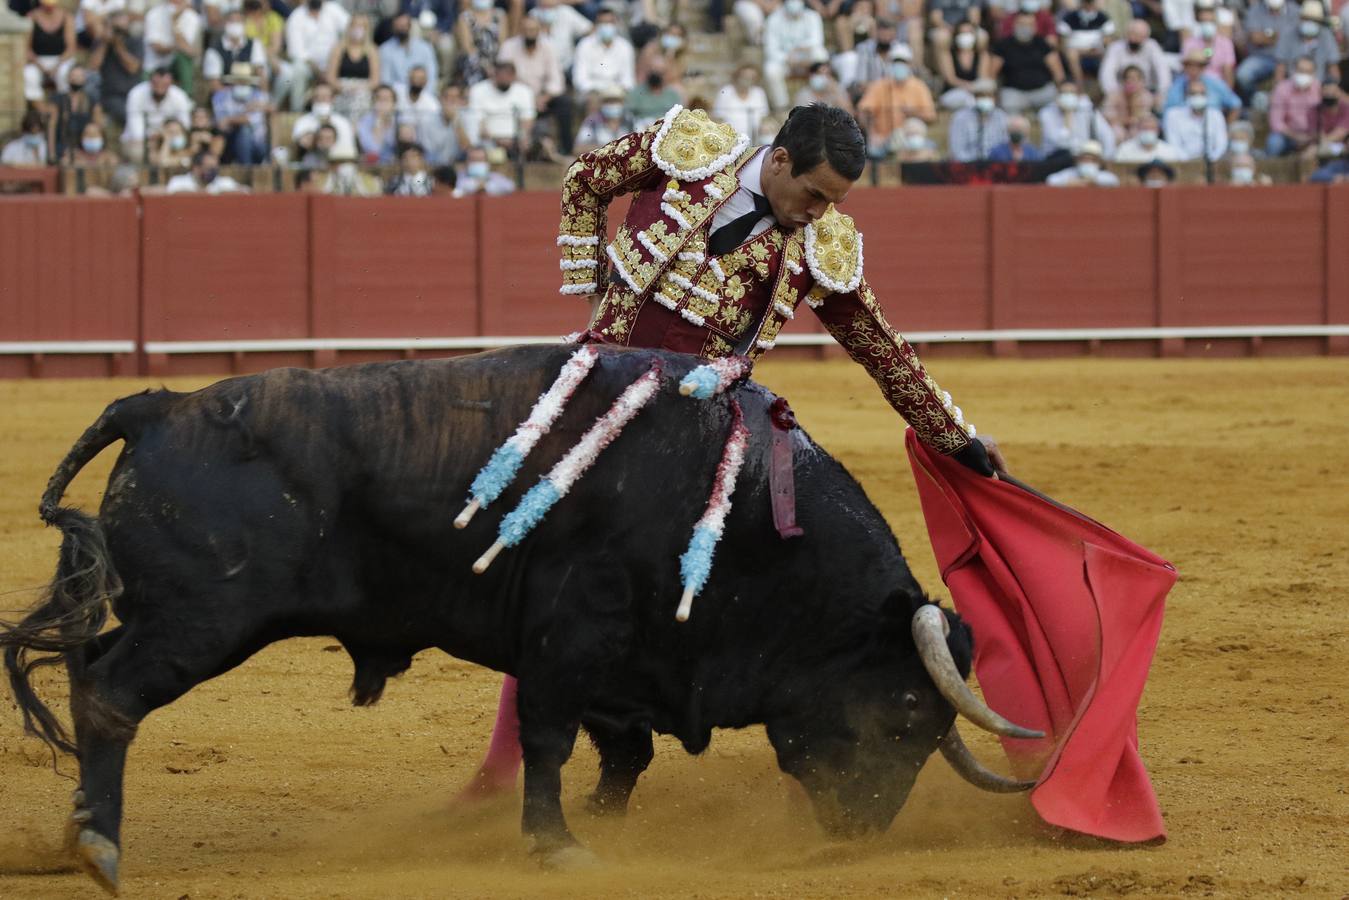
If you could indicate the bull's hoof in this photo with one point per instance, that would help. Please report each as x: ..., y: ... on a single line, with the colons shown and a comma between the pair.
x: 99, y: 857
x: 569, y: 858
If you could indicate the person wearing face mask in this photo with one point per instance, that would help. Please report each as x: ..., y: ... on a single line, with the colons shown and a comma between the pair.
x: 1313, y: 38
x: 1071, y: 120
x: 537, y: 68
x: 30, y: 147
x: 501, y: 111
x: 870, y: 60
x: 320, y: 112
x: 650, y: 100
x: 1083, y: 34
x: 964, y: 63
x: 1147, y: 144
x: 888, y: 102
x: 1196, y: 130
x: 1216, y: 47
x: 1295, y: 111
x: 944, y: 16
x: 479, y: 31
x: 346, y: 179
x: 354, y: 68
x: 241, y: 108
x: 1046, y: 26
x: 116, y: 57
x: 742, y: 104
x: 1155, y: 174
x: 793, y: 39
x: 1265, y: 23
x: 417, y: 102
x: 1126, y: 107
x: 313, y: 29
x: 172, y: 148
x: 404, y: 50
x: 148, y: 105
x: 821, y: 87
x: 604, y: 59
x: 173, y: 37
x: 232, y: 45
x: 476, y: 176
x: 1220, y: 96
x: 978, y: 128
x: 911, y: 143
x: 204, y: 178
x: 608, y: 122
x: 1242, y: 172
x: 76, y: 107
x: 1028, y: 66
x: 562, y: 27
x: 1018, y: 147
x: 1332, y: 120
x: 91, y: 151
x: 1138, y: 49
x: 1086, y: 171
x: 1240, y: 138
x: 666, y: 56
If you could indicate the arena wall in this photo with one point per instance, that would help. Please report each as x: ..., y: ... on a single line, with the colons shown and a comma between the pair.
x: 225, y: 284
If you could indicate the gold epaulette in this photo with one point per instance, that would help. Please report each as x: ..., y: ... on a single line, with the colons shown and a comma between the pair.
x: 834, y: 251
x: 691, y: 147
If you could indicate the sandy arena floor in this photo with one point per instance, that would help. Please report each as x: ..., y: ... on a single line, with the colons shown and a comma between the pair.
x: 266, y: 784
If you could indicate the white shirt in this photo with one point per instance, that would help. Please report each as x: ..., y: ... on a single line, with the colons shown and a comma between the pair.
x: 213, y: 64
x: 1087, y: 124
x: 144, y: 112
x: 1186, y: 131
x: 311, y: 38
x: 187, y: 184
x: 1070, y: 178
x: 497, y: 115
x: 346, y: 135
x: 426, y: 107
x: 162, y: 28
x: 568, y: 27
x: 102, y: 8
x: 742, y: 113
x: 599, y: 65
x: 1133, y: 151
x: 786, y: 38
x: 742, y: 201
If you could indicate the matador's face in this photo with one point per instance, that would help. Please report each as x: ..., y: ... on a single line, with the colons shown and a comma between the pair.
x: 798, y: 200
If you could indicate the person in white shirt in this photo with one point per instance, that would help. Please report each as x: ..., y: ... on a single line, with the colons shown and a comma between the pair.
x: 742, y: 103
x: 416, y: 100
x: 1147, y: 145
x: 477, y: 177
x: 148, y: 105
x: 793, y: 39
x: 312, y: 31
x: 604, y: 59
x: 173, y: 32
x: 321, y: 113
x: 1140, y: 50
x: 1087, y: 172
x: 1071, y: 120
x: 233, y: 46
x: 563, y: 26
x: 1196, y: 129
x: 752, y: 14
x: 500, y: 110
x: 204, y: 178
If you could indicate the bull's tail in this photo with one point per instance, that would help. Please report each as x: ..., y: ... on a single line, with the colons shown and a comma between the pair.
x: 75, y: 606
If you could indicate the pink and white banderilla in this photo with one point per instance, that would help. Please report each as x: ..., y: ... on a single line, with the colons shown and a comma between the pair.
x: 505, y: 462
x: 555, y: 485
x: 696, y: 564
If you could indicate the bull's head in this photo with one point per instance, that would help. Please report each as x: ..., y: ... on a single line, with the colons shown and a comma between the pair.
x: 859, y: 743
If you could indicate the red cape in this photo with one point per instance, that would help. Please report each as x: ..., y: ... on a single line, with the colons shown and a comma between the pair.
x: 1065, y: 614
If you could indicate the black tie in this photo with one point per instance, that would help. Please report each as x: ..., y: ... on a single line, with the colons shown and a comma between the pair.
x: 733, y: 233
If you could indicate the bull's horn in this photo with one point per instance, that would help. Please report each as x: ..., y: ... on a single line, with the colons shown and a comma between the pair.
x: 929, y: 633
x: 970, y: 769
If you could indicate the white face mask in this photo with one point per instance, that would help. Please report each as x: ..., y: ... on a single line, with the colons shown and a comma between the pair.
x: 1088, y: 170
x: 1197, y: 102
x: 671, y: 41
x: 322, y: 110
x: 915, y: 141
x: 1068, y: 102
x: 482, y: 5
x: 1147, y: 138
x: 1303, y: 80
x: 1243, y: 175
x: 1239, y: 147
x: 965, y: 40
x: 900, y: 71
x: 234, y: 31
x: 477, y: 168
x: 1274, y: 5
x: 1309, y: 29
x: 1207, y: 30
x: 607, y: 31
x: 242, y: 91
x: 795, y: 7
x: 819, y: 82
x: 612, y: 110
x: 983, y: 104
x: 347, y: 171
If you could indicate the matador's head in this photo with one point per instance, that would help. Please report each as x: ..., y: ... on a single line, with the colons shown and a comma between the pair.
x: 815, y: 159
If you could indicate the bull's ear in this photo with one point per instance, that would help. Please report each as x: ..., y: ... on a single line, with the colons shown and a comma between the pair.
x: 897, y: 615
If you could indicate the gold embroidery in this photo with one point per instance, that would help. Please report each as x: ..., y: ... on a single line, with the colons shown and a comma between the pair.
x: 717, y: 347
x: 694, y: 141
x: 836, y: 246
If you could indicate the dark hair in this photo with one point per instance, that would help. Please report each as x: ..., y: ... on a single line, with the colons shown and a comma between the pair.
x: 821, y: 133
x: 446, y: 175
x: 200, y: 156
x: 32, y: 119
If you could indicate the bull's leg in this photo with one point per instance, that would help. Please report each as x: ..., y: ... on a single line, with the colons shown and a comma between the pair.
x: 547, y: 736
x: 625, y: 752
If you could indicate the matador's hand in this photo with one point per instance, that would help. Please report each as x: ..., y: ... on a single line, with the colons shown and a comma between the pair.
x: 994, y: 454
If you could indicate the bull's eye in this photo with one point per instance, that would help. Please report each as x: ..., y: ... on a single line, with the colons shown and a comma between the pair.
x: 910, y: 700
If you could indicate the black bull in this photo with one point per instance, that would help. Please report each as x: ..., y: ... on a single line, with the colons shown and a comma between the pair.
x: 297, y: 503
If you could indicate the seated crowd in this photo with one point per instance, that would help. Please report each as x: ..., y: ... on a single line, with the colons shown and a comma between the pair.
x: 438, y: 96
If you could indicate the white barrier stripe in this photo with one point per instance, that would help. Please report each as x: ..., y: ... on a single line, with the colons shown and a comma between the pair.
x: 30, y: 348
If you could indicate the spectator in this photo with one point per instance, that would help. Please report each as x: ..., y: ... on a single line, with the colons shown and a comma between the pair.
x: 1083, y: 34
x: 1125, y: 107
x: 1217, y: 48
x: 1087, y: 171
x: 171, y: 148
x: 1155, y: 174
x: 232, y: 45
x: 608, y: 122
x: 173, y: 32
x: 241, y: 108
x: 1140, y: 50
x: 201, y: 135
x: 562, y: 26
x: 1028, y: 66
x: 1046, y: 26
x: 1333, y: 170
x: 312, y: 31
x: 148, y: 105
x: 1196, y: 130
x: 92, y: 151
x: 604, y: 59
x: 1240, y: 138
x: 1313, y: 38
x: 912, y: 143
x: 320, y: 153
x: 537, y: 69
x: 75, y: 108
x: 404, y: 50
x: 944, y: 15
x: 479, y: 33
x: 1147, y: 144
x: 345, y: 179
x: 444, y: 181
x: 962, y: 64
x: 1295, y: 111
x: 1265, y: 24
x: 266, y: 26
x: 416, y: 101
x: 888, y: 102
x: 1220, y: 96
x: 821, y: 87
x: 1243, y: 172
x: 433, y: 21
x: 116, y: 56
x: 477, y: 177
x: 321, y: 113
x: 870, y: 60
x: 30, y: 147
x: 1017, y: 147
x: 92, y: 23
x: 413, y: 178
x: 650, y: 101
x: 1332, y: 120
x: 501, y: 110
x: 854, y: 23
x: 353, y: 68
x: 204, y: 178
x: 752, y: 15
x: 666, y: 56
x: 793, y: 38
x: 1071, y: 121
x: 976, y: 130
x: 742, y: 103
x: 443, y: 137
x: 51, y: 50
x: 377, y: 130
